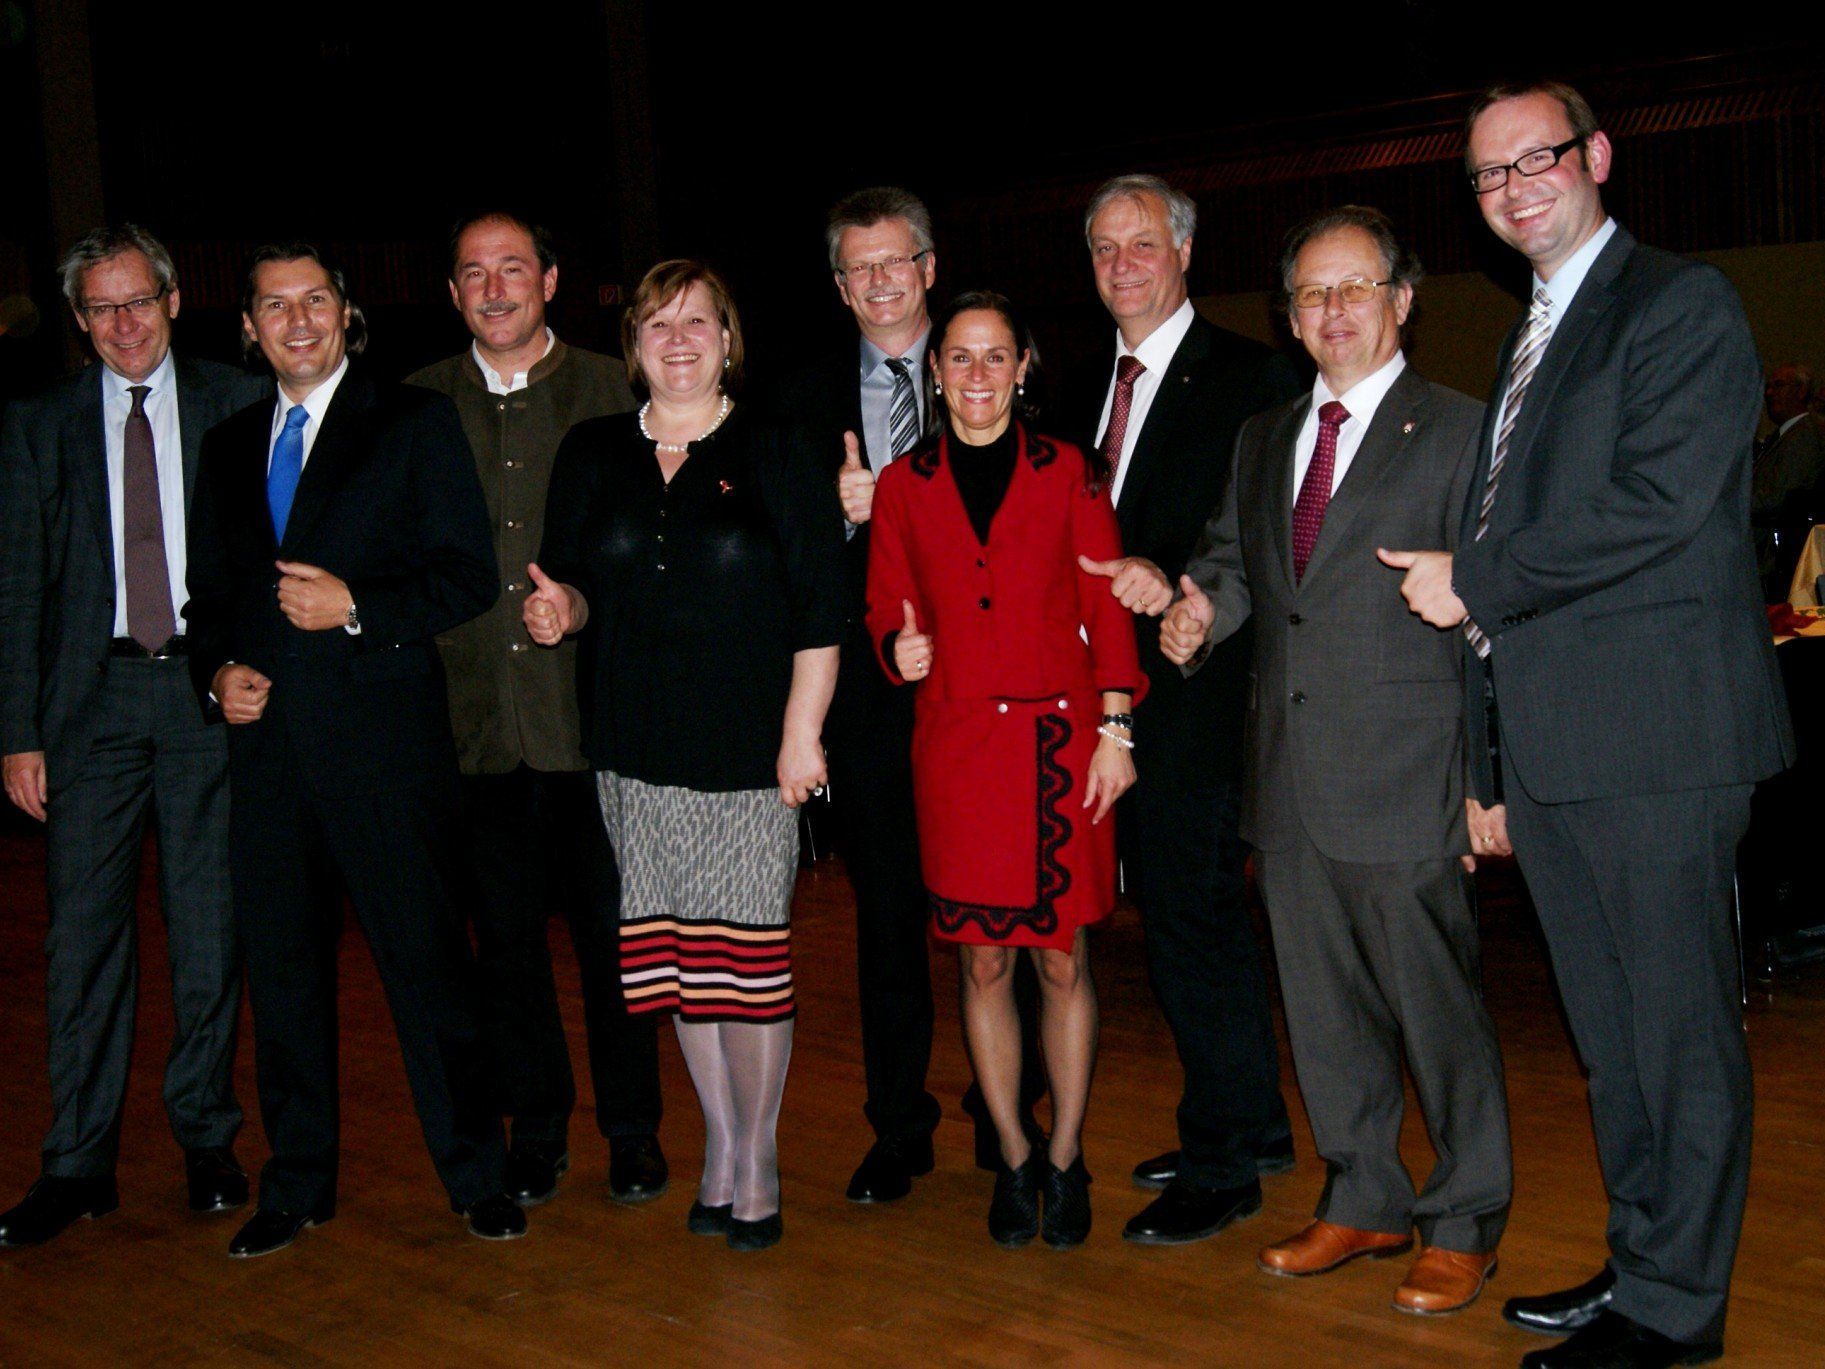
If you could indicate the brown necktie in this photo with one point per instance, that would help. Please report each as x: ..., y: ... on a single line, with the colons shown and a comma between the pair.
x: 150, y: 620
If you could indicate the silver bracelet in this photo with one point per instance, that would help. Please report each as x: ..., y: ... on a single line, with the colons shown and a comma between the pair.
x: 1115, y: 737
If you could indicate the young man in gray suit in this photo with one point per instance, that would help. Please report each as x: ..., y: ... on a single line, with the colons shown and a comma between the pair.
x: 1605, y: 584
x: 1354, y: 791
x: 101, y: 732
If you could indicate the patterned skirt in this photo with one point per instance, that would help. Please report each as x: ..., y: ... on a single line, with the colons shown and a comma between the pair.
x: 706, y: 893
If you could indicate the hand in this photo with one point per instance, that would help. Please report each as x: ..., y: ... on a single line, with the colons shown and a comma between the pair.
x: 1427, y: 586
x: 311, y: 598
x: 1110, y: 776
x: 1187, y: 626
x: 855, y: 485
x: 1488, y: 831
x: 1137, y: 582
x: 801, y: 768
x: 550, y: 611
x: 912, y: 649
x: 242, y: 692
x: 25, y: 782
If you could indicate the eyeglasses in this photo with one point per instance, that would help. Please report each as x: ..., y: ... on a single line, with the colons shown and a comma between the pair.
x: 858, y: 272
x: 1486, y: 180
x: 138, y: 308
x: 1355, y: 290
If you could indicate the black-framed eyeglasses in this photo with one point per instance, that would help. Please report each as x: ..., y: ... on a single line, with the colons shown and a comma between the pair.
x: 1486, y: 180
x: 138, y: 308
x: 857, y: 272
x: 1355, y: 290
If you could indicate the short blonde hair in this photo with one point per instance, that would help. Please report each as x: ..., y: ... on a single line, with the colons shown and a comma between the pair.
x: 658, y: 288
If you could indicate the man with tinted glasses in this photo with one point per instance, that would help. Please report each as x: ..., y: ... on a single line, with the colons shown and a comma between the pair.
x: 1606, y: 589
x: 101, y: 733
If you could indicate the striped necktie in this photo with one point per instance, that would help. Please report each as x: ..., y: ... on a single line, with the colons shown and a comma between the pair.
x: 1528, y: 352
x: 903, y: 413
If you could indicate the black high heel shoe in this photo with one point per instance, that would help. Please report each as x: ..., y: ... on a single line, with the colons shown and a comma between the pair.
x: 1067, y: 1192
x: 709, y: 1221
x: 1014, y: 1210
x: 757, y: 1235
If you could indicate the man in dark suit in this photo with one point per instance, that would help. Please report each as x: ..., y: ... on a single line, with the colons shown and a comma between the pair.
x: 1354, y: 789
x: 532, y: 830
x: 101, y: 732
x: 1787, y: 488
x: 865, y: 404
x: 1174, y: 396
x: 1606, y: 586
x: 336, y: 530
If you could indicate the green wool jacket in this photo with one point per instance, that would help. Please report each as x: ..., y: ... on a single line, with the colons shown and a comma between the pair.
x: 512, y: 701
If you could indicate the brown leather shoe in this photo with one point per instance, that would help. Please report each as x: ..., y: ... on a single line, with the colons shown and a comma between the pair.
x: 1443, y: 1281
x: 1323, y: 1245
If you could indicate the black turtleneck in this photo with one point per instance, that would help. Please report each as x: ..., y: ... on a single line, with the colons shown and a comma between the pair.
x: 982, y: 475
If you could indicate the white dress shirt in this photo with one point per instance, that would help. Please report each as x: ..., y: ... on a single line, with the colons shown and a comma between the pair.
x: 1561, y: 290
x: 316, y: 404
x: 1155, y: 353
x: 1362, y: 400
x: 493, y: 379
x: 168, y: 453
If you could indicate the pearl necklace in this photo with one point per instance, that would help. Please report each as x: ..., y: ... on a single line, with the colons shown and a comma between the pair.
x: 679, y: 447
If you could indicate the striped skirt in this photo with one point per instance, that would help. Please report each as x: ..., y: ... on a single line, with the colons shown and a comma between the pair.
x: 706, y: 892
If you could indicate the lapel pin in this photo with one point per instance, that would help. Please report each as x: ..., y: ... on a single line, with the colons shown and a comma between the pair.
x: 1407, y: 427
x: 724, y: 486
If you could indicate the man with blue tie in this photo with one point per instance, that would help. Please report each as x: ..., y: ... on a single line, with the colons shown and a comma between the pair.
x: 336, y: 530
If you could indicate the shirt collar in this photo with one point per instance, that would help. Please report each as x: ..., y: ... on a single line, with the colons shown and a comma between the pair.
x: 1157, y: 348
x: 1563, y: 287
x: 499, y: 384
x: 873, y: 356
x: 1364, y: 397
x: 115, y: 386
x: 1788, y: 424
x: 317, y: 402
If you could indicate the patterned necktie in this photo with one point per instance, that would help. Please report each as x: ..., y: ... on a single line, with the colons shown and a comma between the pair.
x: 287, y: 466
x: 1315, y: 493
x: 903, y: 412
x: 1127, y: 371
x: 150, y: 619
x: 1528, y: 352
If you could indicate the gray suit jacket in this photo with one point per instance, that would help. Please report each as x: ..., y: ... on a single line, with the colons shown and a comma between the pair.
x: 1789, y: 477
x: 57, y: 549
x: 1616, y: 582
x: 1355, y: 722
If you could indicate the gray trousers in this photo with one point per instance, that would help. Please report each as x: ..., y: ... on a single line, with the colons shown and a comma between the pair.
x: 1634, y: 897
x: 152, y: 757
x: 1380, y: 963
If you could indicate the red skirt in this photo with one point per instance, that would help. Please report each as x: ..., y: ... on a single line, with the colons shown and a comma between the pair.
x: 1009, y: 855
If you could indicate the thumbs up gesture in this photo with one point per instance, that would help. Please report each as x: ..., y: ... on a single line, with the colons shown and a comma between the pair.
x: 552, y: 611
x: 855, y: 484
x: 912, y: 649
x: 1187, y: 625
x: 1141, y: 586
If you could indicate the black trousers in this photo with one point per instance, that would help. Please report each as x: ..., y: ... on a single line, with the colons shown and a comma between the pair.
x: 1186, y: 867
x: 394, y: 854
x: 152, y: 757
x: 1634, y: 897
x: 534, y: 845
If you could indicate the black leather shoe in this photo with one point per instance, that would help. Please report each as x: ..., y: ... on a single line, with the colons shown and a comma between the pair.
x: 709, y: 1221
x: 637, y: 1172
x: 495, y: 1218
x: 52, y: 1203
x: 755, y: 1235
x: 1067, y: 1220
x: 1612, y: 1341
x: 270, y: 1229
x: 1276, y: 1157
x: 1183, y: 1214
x: 887, y: 1171
x: 1561, y: 1313
x: 216, y: 1180
x: 532, y: 1173
x: 1014, y: 1210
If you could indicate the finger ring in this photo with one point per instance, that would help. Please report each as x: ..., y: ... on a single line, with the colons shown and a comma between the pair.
x: 816, y: 790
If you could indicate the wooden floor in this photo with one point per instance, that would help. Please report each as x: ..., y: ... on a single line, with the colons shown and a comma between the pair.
x: 394, y: 1280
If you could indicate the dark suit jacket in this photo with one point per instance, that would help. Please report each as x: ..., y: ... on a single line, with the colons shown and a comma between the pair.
x: 1616, y: 582
x: 1355, y: 725
x: 389, y: 501
x: 57, y: 550
x: 1176, y: 482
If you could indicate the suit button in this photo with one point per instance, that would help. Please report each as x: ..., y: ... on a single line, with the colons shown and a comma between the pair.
x: 1063, y: 704
x: 501, y: 408
x: 517, y: 647
x: 511, y: 465
x: 515, y: 524
x: 1001, y: 708
x: 981, y: 564
x: 1294, y: 619
x: 983, y: 602
x: 1298, y: 696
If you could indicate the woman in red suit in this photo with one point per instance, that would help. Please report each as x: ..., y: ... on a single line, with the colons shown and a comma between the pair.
x: 1026, y: 670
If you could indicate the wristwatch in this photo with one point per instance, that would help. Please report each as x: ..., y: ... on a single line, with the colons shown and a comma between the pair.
x: 353, y: 626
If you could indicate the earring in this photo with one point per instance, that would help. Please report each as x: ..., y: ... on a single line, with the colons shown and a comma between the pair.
x: 1020, y: 390
x: 725, y: 363
x: 938, y: 387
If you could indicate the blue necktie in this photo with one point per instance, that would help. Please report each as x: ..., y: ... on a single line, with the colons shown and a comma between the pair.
x: 287, y: 466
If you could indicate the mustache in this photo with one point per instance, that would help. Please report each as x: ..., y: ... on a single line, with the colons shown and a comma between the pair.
x: 497, y: 308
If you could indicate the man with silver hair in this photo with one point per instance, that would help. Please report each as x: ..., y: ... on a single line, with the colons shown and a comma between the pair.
x: 102, y: 734
x: 1174, y: 394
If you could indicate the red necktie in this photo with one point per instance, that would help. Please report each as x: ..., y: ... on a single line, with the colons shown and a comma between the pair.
x: 1315, y: 493
x: 1127, y: 370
